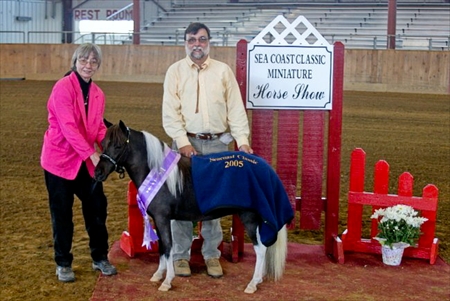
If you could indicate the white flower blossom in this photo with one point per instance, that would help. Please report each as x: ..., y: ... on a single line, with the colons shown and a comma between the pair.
x: 398, y: 224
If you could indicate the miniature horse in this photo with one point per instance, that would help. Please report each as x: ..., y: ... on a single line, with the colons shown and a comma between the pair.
x: 139, y: 153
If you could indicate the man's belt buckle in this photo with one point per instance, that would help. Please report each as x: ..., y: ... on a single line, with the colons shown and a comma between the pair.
x: 206, y: 136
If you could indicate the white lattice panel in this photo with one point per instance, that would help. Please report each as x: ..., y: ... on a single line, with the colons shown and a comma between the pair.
x: 280, y: 31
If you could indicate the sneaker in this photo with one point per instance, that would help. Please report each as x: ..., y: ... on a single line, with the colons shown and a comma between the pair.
x: 65, y: 274
x: 182, y: 268
x: 213, y: 268
x: 105, y: 267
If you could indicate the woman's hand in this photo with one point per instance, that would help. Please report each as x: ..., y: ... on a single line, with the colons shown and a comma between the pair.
x: 95, y: 158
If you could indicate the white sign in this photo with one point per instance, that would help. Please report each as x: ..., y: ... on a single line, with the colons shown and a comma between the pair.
x: 289, y: 77
x: 294, y: 76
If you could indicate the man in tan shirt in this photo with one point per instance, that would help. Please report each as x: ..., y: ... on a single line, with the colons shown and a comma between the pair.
x: 201, y: 102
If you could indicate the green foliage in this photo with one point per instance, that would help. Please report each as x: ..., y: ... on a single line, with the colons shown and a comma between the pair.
x: 398, y: 224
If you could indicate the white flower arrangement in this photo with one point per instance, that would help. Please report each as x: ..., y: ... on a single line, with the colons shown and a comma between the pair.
x: 399, y: 226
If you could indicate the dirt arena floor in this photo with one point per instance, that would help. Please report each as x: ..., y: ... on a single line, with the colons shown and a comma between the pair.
x: 411, y: 132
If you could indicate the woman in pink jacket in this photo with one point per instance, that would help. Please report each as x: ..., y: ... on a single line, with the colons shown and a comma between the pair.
x: 69, y: 155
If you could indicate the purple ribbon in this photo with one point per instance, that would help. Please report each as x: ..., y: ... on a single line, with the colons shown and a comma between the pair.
x: 150, y: 187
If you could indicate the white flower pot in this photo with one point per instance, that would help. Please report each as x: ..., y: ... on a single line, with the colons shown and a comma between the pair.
x: 393, y: 256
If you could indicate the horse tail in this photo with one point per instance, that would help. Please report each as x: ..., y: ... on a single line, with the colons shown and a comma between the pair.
x: 276, y: 256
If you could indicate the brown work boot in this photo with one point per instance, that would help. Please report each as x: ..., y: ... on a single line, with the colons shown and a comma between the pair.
x: 182, y: 268
x: 213, y: 267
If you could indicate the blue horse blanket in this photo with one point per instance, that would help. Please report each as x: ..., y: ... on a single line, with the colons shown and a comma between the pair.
x: 243, y: 181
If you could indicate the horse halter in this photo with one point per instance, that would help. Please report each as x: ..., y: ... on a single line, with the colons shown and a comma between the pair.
x: 119, y: 169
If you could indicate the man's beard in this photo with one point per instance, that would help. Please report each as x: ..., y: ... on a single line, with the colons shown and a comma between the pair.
x: 197, y: 55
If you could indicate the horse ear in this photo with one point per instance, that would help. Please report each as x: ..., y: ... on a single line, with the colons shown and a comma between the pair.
x: 107, y: 123
x: 122, y: 126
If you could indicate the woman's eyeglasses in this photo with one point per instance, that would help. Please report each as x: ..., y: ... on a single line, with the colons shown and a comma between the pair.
x: 83, y: 61
x: 201, y: 40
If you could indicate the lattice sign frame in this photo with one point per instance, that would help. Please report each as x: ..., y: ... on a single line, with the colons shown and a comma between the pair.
x: 303, y: 38
x: 296, y: 75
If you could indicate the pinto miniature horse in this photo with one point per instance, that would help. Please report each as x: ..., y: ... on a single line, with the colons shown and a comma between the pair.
x: 139, y: 153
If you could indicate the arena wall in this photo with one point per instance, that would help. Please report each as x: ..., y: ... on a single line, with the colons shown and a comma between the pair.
x: 406, y: 71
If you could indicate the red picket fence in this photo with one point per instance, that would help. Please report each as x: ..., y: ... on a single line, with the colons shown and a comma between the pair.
x: 351, y: 240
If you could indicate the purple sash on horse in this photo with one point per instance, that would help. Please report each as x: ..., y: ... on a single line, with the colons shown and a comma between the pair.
x: 150, y: 187
x: 240, y: 180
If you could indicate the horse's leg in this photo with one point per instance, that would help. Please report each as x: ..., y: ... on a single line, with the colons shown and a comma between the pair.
x: 159, y: 274
x: 260, y: 266
x: 164, y: 231
x: 251, y: 221
x: 270, y: 261
x: 166, y: 285
x: 162, y: 243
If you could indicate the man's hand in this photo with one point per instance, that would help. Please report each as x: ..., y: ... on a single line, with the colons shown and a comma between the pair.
x: 187, y: 151
x: 246, y: 149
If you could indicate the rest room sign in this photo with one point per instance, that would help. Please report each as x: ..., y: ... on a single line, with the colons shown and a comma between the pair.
x: 295, y: 76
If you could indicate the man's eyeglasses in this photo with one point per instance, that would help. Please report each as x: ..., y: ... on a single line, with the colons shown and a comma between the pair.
x: 83, y: 61
x: 202, y: 40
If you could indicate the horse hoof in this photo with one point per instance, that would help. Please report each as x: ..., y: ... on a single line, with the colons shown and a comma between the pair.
x: 164, y: 288
x: 250, y: 289
x: 155, y: 279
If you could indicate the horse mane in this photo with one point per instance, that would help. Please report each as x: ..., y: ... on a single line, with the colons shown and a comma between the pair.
x: 155, y: 158
x: 115, y: 135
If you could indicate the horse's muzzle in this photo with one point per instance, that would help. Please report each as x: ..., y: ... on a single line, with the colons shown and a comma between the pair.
x: 99, y: 177
x: 101, y: 174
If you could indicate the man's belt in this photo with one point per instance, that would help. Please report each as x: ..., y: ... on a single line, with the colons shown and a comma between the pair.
x: 205, y: 136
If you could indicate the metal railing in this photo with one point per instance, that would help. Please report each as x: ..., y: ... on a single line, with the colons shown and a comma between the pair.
x: 219, y: 38
x: 15, y: 36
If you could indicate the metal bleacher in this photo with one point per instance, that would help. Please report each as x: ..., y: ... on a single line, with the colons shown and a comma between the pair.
x: 366, y: 27
x: 223, y: 22
x: 362, y: 25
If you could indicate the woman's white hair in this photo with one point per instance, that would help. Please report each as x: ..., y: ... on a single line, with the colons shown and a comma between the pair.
x: 84, y: 50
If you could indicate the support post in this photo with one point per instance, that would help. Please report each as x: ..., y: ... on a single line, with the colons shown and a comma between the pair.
x: 392, y: 23
x: 137, y: 23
